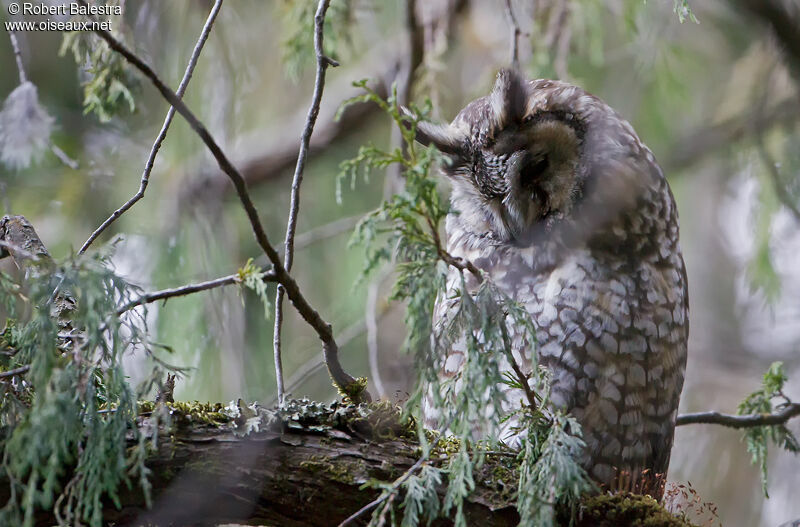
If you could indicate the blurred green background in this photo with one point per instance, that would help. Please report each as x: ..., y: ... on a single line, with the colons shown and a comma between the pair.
x: 699, y: 94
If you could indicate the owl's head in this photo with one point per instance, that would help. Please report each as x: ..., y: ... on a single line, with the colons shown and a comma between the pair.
x: 524, y: 155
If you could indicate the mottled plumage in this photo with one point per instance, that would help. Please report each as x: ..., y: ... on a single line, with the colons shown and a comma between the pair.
x: 557, y: 200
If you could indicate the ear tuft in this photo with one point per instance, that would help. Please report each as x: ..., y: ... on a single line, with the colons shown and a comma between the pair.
x: 446, y: 139
x: 509, y: 98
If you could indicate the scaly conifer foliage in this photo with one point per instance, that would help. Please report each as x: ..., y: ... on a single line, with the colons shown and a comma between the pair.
x: 66, y: 420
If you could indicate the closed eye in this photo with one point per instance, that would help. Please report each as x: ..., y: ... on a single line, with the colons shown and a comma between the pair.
x: 533, y: 170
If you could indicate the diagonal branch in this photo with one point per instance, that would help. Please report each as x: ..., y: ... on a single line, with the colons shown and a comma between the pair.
x: 779, y: 417
x: 188, y: 290
x: 148, y: 167
x: 459, y: 263
x: 15, y: 371
x: 199, y: 128
x: 309, y: 314
x: 319, y: 85
x: 17, y: 55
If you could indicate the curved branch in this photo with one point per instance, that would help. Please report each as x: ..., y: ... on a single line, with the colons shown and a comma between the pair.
x: 17, y: 55
x: 307, y: 312
x: 779, y: 417
x: 15, y: 371
x: 148, y: 167
x: 199, y: 128
x: 188, y: 290
x: 294, y: 206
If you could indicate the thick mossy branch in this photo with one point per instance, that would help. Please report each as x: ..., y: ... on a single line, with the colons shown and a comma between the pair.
x: 307, y: 465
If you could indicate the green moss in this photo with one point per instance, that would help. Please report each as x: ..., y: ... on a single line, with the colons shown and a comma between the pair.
x: 191, y: 412
x: 354, y: 391
x: 343, y: 472
x: 627, y: 510
x: 145, y: 407
x: 500, y: 478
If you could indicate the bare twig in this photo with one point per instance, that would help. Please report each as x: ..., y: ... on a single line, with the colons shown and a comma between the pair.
x: 199, y: 128
x: 319, y: 85
x: 262, y: 163
x: 759, y: 124
x: 63, y: 157
x: 148, y: 167
x: 188, y: 290
x: 309, y: 368
x: 561, y: 54
x: 521, y: 377
x: 309, y: 314
x: 389, y: 493
x: 779, y: 417
x: 17, y: 55
x: 515, y: 34
x: 15, y: 371
x: 416, y: 52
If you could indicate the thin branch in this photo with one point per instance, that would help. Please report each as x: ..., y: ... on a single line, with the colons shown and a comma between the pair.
x: 188, y: 290
x: 17, y: 55
x: 304, y: 372
x: 319, y: 86
x: 148, y: 167
x: 262, y: 163
x: 459, y: 263
x: 515, y: 34
x: 521, y: 377
x: 309, y: 314
x: 389, y: 493
x: 63, y: 157
x: 15, y: 371
x: 199, y: 128
x: 779, y: 417
x: 561, y: 55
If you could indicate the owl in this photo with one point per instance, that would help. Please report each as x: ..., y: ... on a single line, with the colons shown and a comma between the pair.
x: 558, y: 202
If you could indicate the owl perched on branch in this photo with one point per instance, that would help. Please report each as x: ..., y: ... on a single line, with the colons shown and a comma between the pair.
x: 563, y: 208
